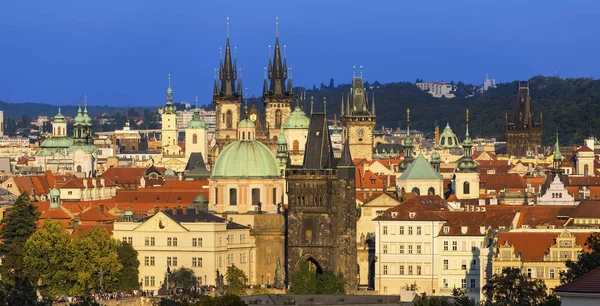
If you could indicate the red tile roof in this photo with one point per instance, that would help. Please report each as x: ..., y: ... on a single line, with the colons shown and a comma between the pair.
x: 96, y: 214
x: 585, y: 148
x: 586, y: 209
x: 588, y: 283
x: 533, y: 245
x: 584, y: 181
x: 501, y: 181
x: 84, y: 228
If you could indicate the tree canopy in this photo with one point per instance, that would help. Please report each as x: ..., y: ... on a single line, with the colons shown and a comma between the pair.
x: 129, y: 275
x: 305, y: 280
x: 586, y: 261
x: 513, y: 288
x: 236, y: 281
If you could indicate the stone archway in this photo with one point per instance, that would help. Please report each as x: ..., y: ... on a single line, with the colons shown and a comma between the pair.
x: 311, y: 260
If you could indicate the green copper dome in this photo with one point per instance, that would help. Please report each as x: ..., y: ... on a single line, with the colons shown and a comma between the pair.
x: 448, y: 139
x: 297, y: 120
x: 246, y: 124
x: 54, y: 192
x: 59, y: 118
x: 435, y: 156
x: 88, y: 148
x: 196, y: 122
x: 79, y: 120
x: 57, y: 143
x: 246, y: 159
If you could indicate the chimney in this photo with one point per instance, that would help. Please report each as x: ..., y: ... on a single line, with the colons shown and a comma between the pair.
x: 102, y: 181
x: 101, y: 208
x: 85, y: 184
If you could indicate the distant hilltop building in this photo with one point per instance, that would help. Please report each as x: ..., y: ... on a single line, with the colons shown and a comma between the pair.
x: 523, y: 135
x: 488, y: 83
x: 438, y: 89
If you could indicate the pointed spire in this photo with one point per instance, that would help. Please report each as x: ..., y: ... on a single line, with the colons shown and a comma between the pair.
x: 408, y: 122
x: 228, y: 74
x: 325, y: 106
x: 373, y: 105
x: 312, y: 104
x: 467, y: 133
x: 557, y: 155
x: 277, y: 69
x: 346, y: 157
x: 169, y: 91
x: 290, y: 89
x: 216, y: 85
x: 265, y: 84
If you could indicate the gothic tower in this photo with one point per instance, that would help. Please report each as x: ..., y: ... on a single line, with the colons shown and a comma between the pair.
x: 358, y: 121
x: 321, y: 214
x: 523, y: 135
x: 276, y: 96
x: 227, y: 100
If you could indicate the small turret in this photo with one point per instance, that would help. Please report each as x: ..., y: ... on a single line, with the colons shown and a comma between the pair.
x: 466, y: 163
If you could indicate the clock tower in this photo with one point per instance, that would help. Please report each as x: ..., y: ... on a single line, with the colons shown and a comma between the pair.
x: 358, y: 121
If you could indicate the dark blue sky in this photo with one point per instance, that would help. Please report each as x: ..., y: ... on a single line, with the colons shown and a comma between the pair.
x: 119, y: 52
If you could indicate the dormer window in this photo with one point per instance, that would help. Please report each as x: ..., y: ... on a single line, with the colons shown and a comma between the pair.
x: 446, y: 230
x: 463, y: 230
x: 394, y: 214
x: 411, y: 215
x: 482, y: 230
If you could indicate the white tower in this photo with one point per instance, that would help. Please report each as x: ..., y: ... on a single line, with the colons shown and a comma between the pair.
x: 196, y: 135
x: 169, y: 125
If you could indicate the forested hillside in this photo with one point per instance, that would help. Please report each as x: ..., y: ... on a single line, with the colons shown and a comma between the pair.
x: 570, y: 105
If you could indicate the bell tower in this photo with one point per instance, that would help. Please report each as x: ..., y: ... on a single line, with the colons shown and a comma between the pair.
x: 277, y: 98
x: 523, y: 135
x: 227, y: 100
x: 358, y: 121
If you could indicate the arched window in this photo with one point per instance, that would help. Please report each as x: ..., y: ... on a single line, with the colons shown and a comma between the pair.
x: 255, y: 196
x: 585, y: 170
x: 296, y: 146
x: 278, y: 118
x: 243, y: 135
x: 229, y: 120
x: 443, y: 141
x: 449, y: 141
x: 232, y: 196
x: 466, y: 188
x: 274, y: 196
x: 416, y: 191
x: 194, y: 139
x: 431, y: 191
x: 79, y: 168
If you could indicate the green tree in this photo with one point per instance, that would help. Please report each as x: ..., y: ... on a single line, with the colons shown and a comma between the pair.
x: 513, y: 288
x: 47, y: 260
x: 236, y: 281
x: 330, y: 283
x: 586, y: 261
x: 127, y: 278
x: 183, y: 278
x: 461, y: 298
x: 94, y: 257
x: 425, y: 300
x: 303, y: 281
x: 17, y: 227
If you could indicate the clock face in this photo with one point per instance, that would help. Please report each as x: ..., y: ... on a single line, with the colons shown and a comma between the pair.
x: 360, y: 132
x: 253, y: 117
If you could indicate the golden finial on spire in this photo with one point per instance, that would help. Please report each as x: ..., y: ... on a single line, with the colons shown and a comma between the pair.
x: 227, y: 27
x: 467, y: 115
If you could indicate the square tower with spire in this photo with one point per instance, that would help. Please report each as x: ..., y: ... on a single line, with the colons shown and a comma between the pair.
x: 277, y: 95
x: 358, y: 120
x: 523, y: 135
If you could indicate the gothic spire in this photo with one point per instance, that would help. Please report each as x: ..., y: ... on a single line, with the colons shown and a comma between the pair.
x: 373, y: 105
x: 277, y: 73
x: 342, y: 113
x: 228, y: 73
x: 265, y: 84
x: 216, y: 85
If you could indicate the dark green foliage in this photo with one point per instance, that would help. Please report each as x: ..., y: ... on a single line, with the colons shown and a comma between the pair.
x: 513, y: 288
x: 303, y: 280
x: 236, y: 281
x: 306, y: 281
x: 424, y: 300
x: 19, y: 292
x: 183, y: 278
x: 586, y: 261
x: 461, y: 298
x: 129, y: 275
x: 18, y: 226
x: 567, y: 104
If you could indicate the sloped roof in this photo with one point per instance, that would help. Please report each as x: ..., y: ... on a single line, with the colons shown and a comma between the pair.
x: 500, y: 181
x: 473, y: 220
x: 84, y: 228
x: 585, y: 148
x: 586, y: 209
x: 420, y: 169
x: 426, y: 208
x: 533, y: 245
x: 96, y: 213
x: 588, y: 283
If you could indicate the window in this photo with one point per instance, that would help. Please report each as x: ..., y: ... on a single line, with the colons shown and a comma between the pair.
x: 402, y: 270
x: 529, y: 273
x: 454, y: 245
x: 418, y: 249
x: 416, y: 191
x: 149, y: 241
x: 128, y: 240
x: 384, y: 289
x: 278, y: 118
x: 418, y: 270
x: 463, y: 245
x: 410, y: 270
x: 146, y: 260
x: 232, y: 196
x: 274, y: 196
x: 196, y: 242
x: 243, y: 258
x: 401, y: 230
x: 401, y: 249
x: 410, y: 249
x: 410, y: 230
x: 446, y: 230
x: 220, y: 261
x: 255, y: 196
x: 71, y: 192
x: 146, y: 281
x: 230, y: 239
x: 385, y: 230
x: 385, y: 269
x: 194, y: 138
x: 175, y: 261
x: 174, y: 241
x: 474, y: 264
x: 473, y: 283
x: 552, y: 273
x: 152, y: 260
x: 445, y: 283
x: 152, y: 241
x: 463, y: 264
x: 463, y: 283
x: 445, y: 245
x: 196, y: 261
x: 445, y: 264
x: 243, y: 238
x: 473, y: 246
x: 220, y: 241
x: 466, y: 189
x: 295, y: 146
x: 169, y: 261
x: 230, y: 259
x: 385, y: 249
x: 169, y: 241
x: 418, y: 230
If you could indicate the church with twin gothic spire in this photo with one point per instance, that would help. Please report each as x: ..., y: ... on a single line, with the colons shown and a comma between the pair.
x: 277, y: 98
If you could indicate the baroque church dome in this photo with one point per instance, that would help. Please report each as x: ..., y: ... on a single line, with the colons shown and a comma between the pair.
x: 246, y: 159
x: 297, y: 120
x: 448, y: 139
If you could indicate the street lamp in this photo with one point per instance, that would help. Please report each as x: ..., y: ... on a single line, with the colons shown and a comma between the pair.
x: 205, y: 280
x: 168, y: 272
